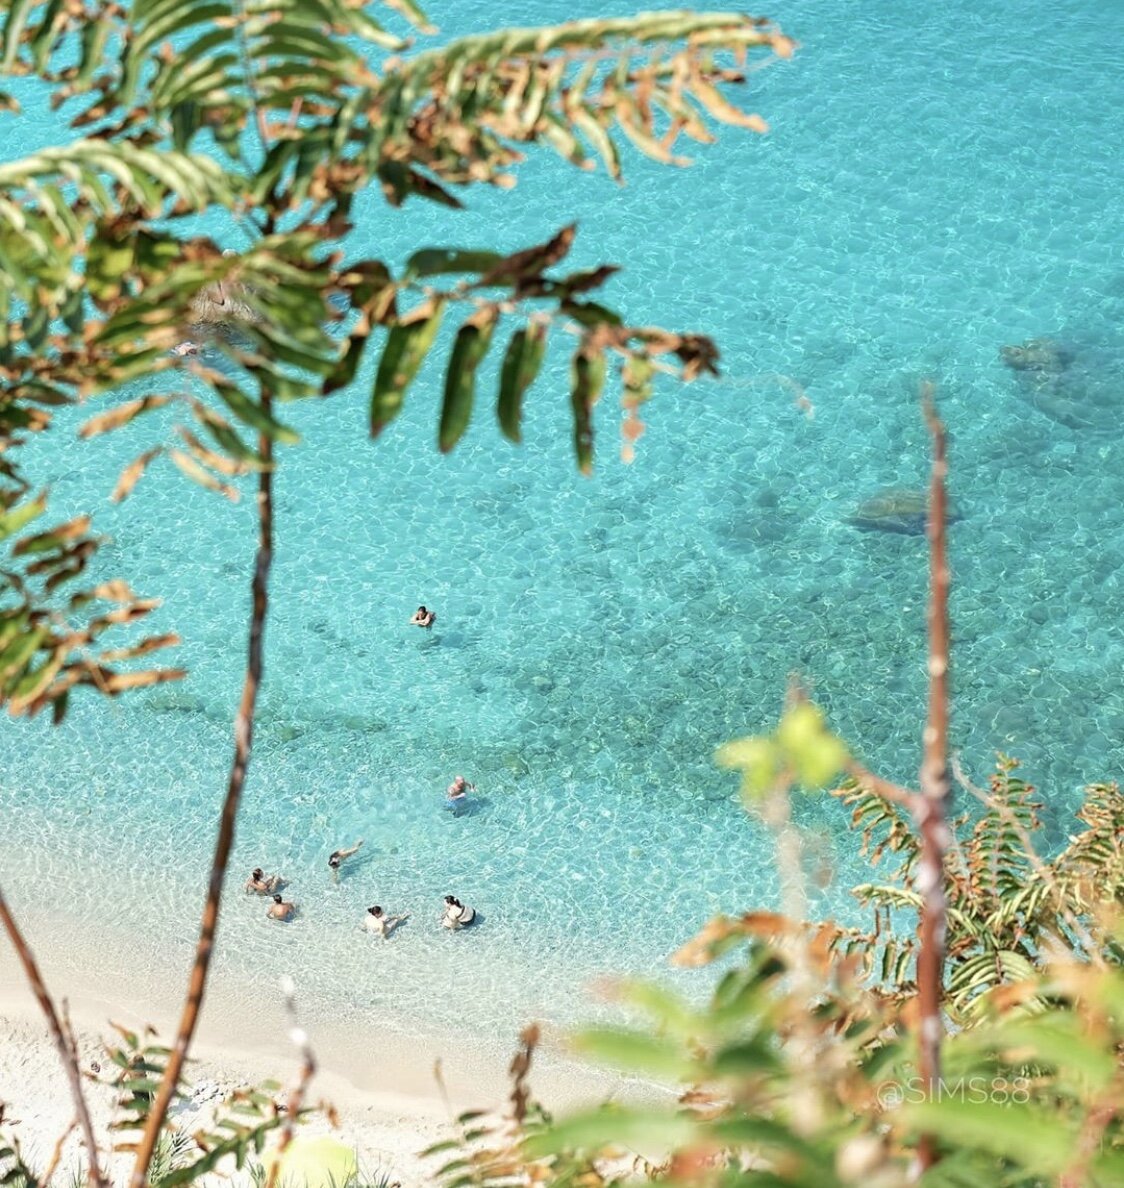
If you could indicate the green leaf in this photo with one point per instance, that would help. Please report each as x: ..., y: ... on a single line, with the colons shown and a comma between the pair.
x: 647, y: 1131
x: 253, y: 414
x: 759, y: 760
x: 18, y: 12
x: 1060, y: 1040
x: 406, y: 347
x: 1029, y: 1136
x: 521, y: 363
x: 759, y: 1132
x: 441, y: 261
x: 747, y: 1059
x: 664, y: 1005
x: 633, y: 1051
x: 590, y: 313
x: 587, y: 378
x: 12, y: 521
x: 814, y: 753
x: 344, y: 371
x: 15, y: 657
x: 470, y: 347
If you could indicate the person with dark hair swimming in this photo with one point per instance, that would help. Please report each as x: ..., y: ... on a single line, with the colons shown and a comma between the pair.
x: 280, y: 910
x: 259, y: 883
x: 423, y: 618
x: 456, y: 915
x: 336, y: 857
x: 378, y: 922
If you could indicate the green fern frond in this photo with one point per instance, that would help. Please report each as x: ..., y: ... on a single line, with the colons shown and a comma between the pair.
x: 996, y: 856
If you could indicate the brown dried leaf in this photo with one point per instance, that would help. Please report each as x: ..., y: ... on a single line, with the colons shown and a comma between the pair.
x: 219, y: 462
x: 700, y: 949
x: 118, y: 682
x: 782, y: 46
x: 114, y: 591
x: 187, y: 464
x: 131, y: 475
x: 721, y: 108
x: 145, y: 646
x: 531, y: 261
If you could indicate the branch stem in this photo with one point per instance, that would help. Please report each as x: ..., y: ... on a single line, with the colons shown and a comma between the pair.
x: 935, y: 786
x: 243, y: 743
x: 62, y: 1043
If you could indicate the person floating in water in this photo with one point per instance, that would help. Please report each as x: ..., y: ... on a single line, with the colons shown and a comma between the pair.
x: 456, y: 914
x: 185, y: 348
x: 260, y: 883
x: 280, y: 910
x: 378, y: 922
x: 456, y: 796
x: 423, y: 618
x: 336, y: 857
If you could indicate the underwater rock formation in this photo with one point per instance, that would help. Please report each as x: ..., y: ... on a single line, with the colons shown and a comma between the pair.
x: 904, y: 510
x: 1042, y: 356
x: 1080, y: 392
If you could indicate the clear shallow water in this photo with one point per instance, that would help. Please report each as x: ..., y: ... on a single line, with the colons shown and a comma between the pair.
x: 936, y: 185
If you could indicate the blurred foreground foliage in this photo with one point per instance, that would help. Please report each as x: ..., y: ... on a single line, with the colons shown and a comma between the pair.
x: 801, y: 1067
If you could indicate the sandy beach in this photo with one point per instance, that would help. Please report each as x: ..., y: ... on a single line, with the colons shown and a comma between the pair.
x: 381, y: 1082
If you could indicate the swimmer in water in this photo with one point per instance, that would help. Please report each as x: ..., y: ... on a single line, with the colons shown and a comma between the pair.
x: 260, y: 883
x: 457, y: 793
x: 423, y: 618
x: 456, y: 915
x: 335, y: 859
x: 378, y: 922
x: 280, y: 910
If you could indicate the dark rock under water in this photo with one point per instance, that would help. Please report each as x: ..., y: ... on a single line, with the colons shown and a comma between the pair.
x: 904, y: 510
x: 1040, y: 355
x: 1080, y: 390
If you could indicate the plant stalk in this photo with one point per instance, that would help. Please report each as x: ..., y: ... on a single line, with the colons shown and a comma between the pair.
x: 243, y: 743
x: 931, y: 806
x: 62, y: 1044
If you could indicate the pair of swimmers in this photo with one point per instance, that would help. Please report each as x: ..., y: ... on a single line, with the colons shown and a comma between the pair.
x: 259, y: 883
x: 454, y: 916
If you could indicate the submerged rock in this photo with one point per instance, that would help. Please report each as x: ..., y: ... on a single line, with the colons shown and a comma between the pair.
x: 1045, y: 356
x: 1070, y: 403
x: 224, y: 303
x: 175, y: 701
x: 1085, y: 392
x: 904, y: 510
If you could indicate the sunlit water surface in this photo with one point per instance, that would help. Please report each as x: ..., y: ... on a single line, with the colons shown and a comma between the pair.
x: 938, y: 182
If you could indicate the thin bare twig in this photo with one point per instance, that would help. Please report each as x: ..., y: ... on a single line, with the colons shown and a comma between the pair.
x: 62, y: 1045
x: 307, y: 1071
x: 892, y: 792
x: 935, y: 785
x: 243, y: 745
x: 56, y: 1154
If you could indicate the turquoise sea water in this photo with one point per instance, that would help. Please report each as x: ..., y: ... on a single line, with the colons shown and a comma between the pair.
x: 938, y: 182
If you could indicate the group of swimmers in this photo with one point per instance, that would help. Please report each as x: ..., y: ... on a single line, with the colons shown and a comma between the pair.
x: 455, y: 915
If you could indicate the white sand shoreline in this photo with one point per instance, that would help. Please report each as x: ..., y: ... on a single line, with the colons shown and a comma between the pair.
x: 381, y: 1081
